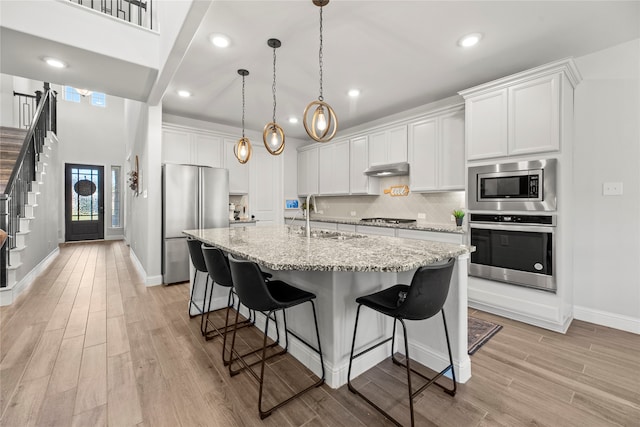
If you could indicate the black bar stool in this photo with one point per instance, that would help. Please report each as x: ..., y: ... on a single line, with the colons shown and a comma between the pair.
x: 268, y: 298
x: 197, y: 259
x: 423, y: 299
x: 218, y: 267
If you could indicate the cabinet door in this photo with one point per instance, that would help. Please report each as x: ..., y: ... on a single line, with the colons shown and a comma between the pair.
x: 451, y: 168
x: 302, y: 173
x: 359, y: 183
x: 534, y: 116
x: 325, y: 169
x: 238, y: 172
x: 423, y: 141
x: 340, y: 167
x: 397, y: 144
x: 377, y: 148
x: 266, y: 186
x: 207, y: 151
x: 486, y: 125
x: 176, y: 146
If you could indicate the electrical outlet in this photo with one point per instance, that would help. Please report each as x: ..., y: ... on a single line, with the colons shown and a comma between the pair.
x: 422, y: 215
x: 453, y: 218
x: 353, y: 213
x: 612, y: 189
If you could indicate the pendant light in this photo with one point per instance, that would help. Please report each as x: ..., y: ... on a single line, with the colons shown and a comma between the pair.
x: 242, y: 149
x: 323, y: 123
x: 273, y: 135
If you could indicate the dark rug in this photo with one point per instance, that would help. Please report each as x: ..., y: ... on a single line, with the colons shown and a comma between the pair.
x: 480, y: 331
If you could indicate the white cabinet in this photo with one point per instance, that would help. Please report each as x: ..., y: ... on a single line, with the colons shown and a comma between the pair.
x: 434, y: 236
x: 388, y: 145
x: 521, y: 114
x: 534, y: 116
x: 436, y: 151
x: 359, y: 183
x: 378, y: 231
x: 266, y: 187
x: 308, y: 171
x: 333, y: 168
x: 191, y: 147
x: 486, y: 125
x: 238, y: 172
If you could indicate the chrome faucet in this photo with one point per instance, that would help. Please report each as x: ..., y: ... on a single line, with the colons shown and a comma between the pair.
x: 309, y: 214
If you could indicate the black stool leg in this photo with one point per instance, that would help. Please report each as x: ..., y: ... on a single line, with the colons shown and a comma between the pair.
x: 193, y: 288
x: 452, y: 392
x: 203, y: 324
x: 406, y: 352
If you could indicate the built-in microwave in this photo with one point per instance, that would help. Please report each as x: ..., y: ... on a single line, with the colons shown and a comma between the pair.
x: 520, y: 186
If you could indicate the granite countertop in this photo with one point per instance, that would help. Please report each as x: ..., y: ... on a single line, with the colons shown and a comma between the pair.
x: 422, y: 226
x: 287, y: 248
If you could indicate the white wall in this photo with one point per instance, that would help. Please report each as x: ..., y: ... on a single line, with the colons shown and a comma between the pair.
x: 93, y: 136
x: 607, y: 149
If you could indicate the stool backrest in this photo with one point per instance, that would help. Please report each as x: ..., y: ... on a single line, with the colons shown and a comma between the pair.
x: 428, y: 291
x: 217, y: 265
x: 195, y: 252
x: 250, y: 285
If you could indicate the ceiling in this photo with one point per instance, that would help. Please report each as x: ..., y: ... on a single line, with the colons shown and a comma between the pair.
x: 399, y: 54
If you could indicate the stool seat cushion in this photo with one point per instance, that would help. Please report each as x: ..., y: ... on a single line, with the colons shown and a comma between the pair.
x: 385, y: 301
x: 286, y: 295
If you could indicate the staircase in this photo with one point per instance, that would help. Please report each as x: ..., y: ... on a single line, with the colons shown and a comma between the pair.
x: 11, y: 140
x: 24, y: 155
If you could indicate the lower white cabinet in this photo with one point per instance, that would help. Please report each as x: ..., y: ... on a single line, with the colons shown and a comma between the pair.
x: 379, y: 231
x: 434, y: 236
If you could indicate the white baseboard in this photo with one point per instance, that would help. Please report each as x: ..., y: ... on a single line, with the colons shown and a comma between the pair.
x: 9, y: 294
x: 153, y: 280
x: 138, y: 265
x: 604, y: 318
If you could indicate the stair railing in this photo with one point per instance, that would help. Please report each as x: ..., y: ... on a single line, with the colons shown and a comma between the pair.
x: 134, y: 11
x: 26, y: 108
x: 16, y: 193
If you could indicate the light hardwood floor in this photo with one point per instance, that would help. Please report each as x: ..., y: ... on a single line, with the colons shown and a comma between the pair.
x: 90, y: 345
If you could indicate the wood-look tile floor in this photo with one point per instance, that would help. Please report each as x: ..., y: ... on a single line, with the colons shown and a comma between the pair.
x: 89, y: 345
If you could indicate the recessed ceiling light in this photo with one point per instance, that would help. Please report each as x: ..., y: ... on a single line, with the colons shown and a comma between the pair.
x: 293, y: 120
x: 56, y: 63
x: 220, y: 40
x: 470, y: 40
x: 354, y: 93
x: 184, y: 93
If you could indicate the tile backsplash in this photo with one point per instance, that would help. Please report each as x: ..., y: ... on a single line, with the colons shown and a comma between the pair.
x: 437, y: 207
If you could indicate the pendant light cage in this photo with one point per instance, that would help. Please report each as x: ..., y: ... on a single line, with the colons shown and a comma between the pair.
x: 273, y: 135
x: 242, y: 149
x: 322, y: 124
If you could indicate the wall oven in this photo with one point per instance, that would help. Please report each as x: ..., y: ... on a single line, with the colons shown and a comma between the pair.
x: 516, y: 249
x: 521, y: 186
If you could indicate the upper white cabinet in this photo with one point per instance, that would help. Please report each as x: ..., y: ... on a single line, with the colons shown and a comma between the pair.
x: 529, y: 112
x: 238, y: 172
x: 191, y: 147
x: 359, y: 183
x: 308, y: 171
x: 333, y: 168
x: 388, y: 145
x: 436, y: 151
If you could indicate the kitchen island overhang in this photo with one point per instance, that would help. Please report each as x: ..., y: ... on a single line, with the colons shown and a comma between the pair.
x: 338, y: 268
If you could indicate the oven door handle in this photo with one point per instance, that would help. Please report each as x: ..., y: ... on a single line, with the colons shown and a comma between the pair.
x: 511, y: 227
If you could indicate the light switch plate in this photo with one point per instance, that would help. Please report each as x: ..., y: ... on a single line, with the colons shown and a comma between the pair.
x: 422, y: 215
x: 612, y: 189
x: 353, y: 213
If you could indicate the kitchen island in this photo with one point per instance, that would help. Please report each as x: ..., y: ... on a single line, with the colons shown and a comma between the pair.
x: 339, y: 267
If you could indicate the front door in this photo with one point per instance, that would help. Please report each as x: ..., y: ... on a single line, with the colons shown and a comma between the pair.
x: 84, y: 202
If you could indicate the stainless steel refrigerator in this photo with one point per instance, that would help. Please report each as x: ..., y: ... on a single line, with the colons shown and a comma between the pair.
x: 192, y: 197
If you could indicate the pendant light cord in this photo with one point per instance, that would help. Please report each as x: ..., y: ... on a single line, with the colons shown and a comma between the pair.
x: 273, y: 87
x: 242, y: 106
x: 321, y: 98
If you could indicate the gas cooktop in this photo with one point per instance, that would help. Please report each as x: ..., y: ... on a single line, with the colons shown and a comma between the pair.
x: 389, y: 220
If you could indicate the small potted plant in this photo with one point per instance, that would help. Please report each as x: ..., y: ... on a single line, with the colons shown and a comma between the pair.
x: 459, y: 216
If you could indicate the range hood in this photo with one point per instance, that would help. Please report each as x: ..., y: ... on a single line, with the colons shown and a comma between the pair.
x: 390, y: 169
